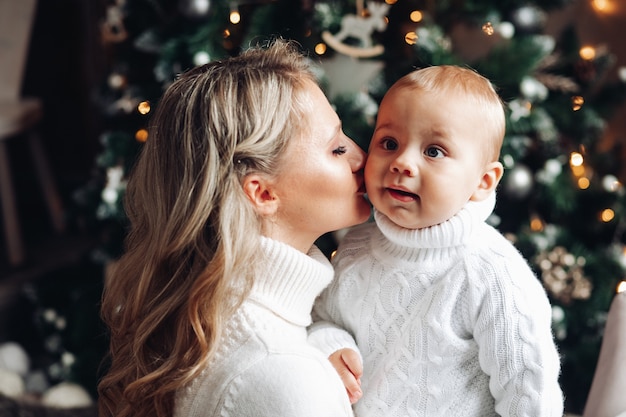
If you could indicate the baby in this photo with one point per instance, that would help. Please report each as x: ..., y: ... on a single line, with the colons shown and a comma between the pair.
x: 447, y: 315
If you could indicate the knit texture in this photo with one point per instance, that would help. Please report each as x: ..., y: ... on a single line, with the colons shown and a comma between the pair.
x: 450, y: 321
x: 264, y: 366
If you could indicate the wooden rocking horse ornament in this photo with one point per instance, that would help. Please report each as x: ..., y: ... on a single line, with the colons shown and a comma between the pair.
x: 360, y: 28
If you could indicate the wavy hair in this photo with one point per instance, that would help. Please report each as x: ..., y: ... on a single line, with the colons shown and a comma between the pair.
x: 191, y: 250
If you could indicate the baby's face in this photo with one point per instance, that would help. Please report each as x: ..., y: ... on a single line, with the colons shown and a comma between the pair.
x: 426, y: 158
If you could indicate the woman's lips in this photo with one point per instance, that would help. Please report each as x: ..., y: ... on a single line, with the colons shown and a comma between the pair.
x: 402, y: 195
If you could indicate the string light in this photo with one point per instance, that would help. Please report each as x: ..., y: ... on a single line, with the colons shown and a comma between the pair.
x: 411, y: 38
x: 603, y: 6
x: 583, y: 183
x: 320, y: 48
x: 536, y: 224
x: 577, y: 102
x: 234, y: 17
x: 143, y: 107
x: 141, y: 135
x: 607, y: 215
x: 488, y: 29
x: 416, y: 16
x: 588, y: 53
x: 621, y: 287
x: 576, y: 159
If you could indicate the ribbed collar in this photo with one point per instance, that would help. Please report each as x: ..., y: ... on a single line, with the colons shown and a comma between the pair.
x: 291, y: 280
x: 437, y: 240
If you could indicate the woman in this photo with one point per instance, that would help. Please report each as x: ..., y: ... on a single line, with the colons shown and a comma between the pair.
x: 245, y: 168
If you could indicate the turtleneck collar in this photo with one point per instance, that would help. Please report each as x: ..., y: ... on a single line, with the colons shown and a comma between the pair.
x: 456, y: 231
x: 290, y: 280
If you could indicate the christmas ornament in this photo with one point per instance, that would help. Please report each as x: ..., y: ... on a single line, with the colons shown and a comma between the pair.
x: 14, y: 358
x: 518, y: 182
x: 562, y: 275
x: 550, y: 171
x: 113, y: 29
x: 346, y: 74
x: 533, y: 90
x: 519, y: 109
x: 529, y: 19
x: 611, y: 184
x: 194, y: 9
x: 66, y: 395
x: 506, y: 30
x: 359, y: 27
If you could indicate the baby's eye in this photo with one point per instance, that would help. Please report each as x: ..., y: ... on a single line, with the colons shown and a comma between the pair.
x: 434, y: 152
x: 340, y: 150
x: 389, y: 144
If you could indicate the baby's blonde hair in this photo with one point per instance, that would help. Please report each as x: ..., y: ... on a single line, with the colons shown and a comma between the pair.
x: 463, y: 83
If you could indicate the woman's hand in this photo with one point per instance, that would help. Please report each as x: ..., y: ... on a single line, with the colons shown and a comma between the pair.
x: 348, y: 364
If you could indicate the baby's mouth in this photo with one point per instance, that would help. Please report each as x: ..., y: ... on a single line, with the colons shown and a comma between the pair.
x: 402, y: 195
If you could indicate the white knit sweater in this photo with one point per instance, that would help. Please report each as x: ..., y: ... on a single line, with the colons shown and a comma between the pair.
x: 265, y: 366
x: 449, y: 320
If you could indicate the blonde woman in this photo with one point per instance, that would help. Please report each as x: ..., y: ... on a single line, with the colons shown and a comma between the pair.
x: 246, y: 166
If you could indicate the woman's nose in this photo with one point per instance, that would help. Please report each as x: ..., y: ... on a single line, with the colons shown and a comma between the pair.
x: 357, y: 158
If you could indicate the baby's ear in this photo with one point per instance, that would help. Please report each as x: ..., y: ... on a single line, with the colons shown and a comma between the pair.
x: 259, y: 191
x: 489, y: 181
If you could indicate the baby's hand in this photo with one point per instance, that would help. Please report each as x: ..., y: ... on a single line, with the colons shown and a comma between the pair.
x: 348, y: 364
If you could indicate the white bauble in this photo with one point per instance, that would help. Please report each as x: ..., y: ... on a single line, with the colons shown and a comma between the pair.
x: 66, y: 395
x: 11, y: 384
x: 519, y: 181
x: 194, y: 9
x: 14, y: 358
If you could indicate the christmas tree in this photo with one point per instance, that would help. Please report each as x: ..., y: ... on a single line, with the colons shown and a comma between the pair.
x: 561, y: 200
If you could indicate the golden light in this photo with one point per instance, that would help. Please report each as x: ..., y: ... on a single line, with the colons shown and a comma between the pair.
x: 320, y: 48
x: 583, y: 183
x: 411, y: 38
x: 226, y: 33
x: 416, y: 16
x: 141, y: 135
x: 603, y: 6
x: 488, y: 29
x: 578, y: 170
x: 577, y: 102
x: 576, y: 159
x: 536, y: 224
x: 235, y: 17
x: 607, y: 215
x: 143, y: 107
x: 391, y: 1
x: 587, y: 53
x: 621, y: 287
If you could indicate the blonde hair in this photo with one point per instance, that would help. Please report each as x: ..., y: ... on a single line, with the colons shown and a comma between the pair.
x: 458, y: 82
x: 191, y: 249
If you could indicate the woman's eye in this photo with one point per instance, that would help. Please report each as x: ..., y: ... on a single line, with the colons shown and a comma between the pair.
x: 434, y: 152
x: 340, y: 150
x: 389, y: 145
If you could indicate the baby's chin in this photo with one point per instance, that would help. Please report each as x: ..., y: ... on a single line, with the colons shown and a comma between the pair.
x: 407, y: 220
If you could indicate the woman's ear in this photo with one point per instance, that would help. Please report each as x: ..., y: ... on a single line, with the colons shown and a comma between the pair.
x: 259, y: 191
x: 489, y: 181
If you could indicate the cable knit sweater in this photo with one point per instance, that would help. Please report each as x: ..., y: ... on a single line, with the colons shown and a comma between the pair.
x: 264, y: 366
x: 450, y: 321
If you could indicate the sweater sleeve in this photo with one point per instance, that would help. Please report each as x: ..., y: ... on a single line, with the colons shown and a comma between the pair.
x: 512, y: 327
x: 285, y: 386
